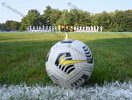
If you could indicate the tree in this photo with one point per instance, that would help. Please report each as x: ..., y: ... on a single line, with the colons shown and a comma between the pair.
x: 10, y: 25
x: 64, y: 19
x: 74, y: 16
x: 79, y: 17
x: 102, y: 19
x: 31, y: 19
x: 2, y: 27
x: 128, y: 20
x: 46, y: 16
x: 113, y: 21
x: 118, y: 21
x: 55, y: 16
x: 85, y: 19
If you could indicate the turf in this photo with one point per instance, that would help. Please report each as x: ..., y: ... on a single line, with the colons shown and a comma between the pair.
x: 23, y: 55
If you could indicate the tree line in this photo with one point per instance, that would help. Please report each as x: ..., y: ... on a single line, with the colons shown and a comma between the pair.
x: 117, y: 21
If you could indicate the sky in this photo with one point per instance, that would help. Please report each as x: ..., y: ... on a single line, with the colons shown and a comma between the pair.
x: 22, y: 6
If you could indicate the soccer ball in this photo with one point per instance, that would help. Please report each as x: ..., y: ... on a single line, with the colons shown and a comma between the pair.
x: 69, y: 63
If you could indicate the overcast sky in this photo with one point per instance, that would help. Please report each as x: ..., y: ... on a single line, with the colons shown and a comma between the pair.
x: 93, y: 6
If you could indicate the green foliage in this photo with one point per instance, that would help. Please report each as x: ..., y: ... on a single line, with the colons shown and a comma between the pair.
x: 117, y: 21
x: 128, y: 20
x: 84, y: 19
x: 50, y: 16
x: 2, y: 26
x: 102, y: 19
x: 64, y: 19
x: 74, y: 17
x: 55, y: 16
x: 10, y: 26
x: 23, y: 56
x: 46, y: 15
x: 32, y: 18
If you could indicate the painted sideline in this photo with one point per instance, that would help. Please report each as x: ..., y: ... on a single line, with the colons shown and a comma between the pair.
x: 110, y: 91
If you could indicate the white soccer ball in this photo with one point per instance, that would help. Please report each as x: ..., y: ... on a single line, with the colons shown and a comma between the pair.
x: 69, y: 63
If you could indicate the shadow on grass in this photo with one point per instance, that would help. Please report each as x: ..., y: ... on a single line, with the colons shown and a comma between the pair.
x: 24, y: 62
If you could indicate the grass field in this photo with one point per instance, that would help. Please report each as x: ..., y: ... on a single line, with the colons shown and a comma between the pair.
x: 22, y: 56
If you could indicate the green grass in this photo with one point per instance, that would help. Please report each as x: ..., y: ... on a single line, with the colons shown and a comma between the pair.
x: 22, y: 56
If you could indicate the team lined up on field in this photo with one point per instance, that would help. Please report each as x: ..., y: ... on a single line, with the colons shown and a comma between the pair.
x: 64, y: 28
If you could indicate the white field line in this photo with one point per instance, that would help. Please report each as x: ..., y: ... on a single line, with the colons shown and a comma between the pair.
x: 109, y: 91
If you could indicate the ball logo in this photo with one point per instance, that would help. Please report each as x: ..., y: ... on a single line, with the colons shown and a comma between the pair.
x: 65, y: 63
x: 69, y: 62
x: 62, y: 62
